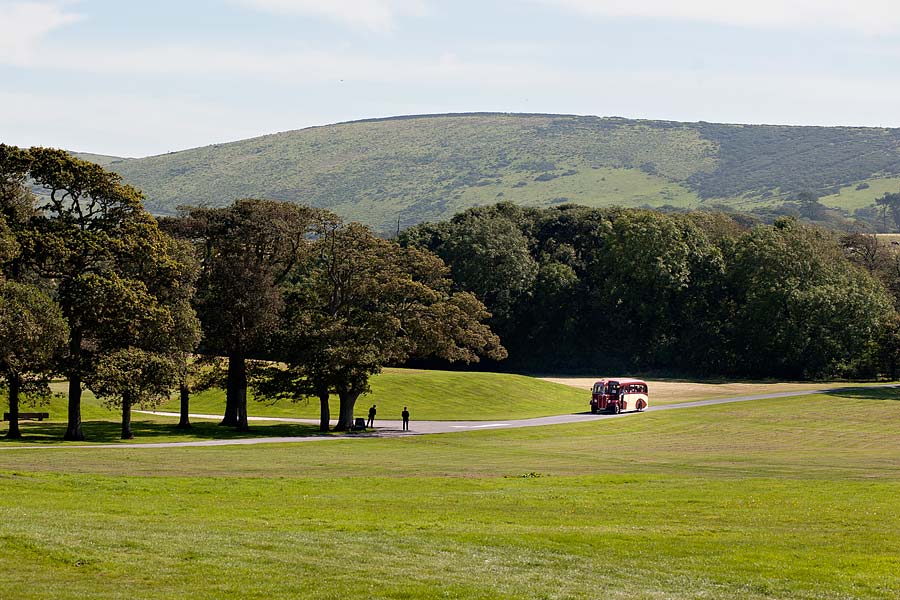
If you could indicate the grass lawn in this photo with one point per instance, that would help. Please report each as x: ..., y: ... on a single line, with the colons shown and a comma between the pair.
x: 794, y: 498
x: 430, y: 396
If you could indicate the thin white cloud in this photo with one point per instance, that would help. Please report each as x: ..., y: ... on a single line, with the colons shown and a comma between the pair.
x: 863, y: 16
x: 24, y: 24
x: 299, y: 67
x: 376, y: 15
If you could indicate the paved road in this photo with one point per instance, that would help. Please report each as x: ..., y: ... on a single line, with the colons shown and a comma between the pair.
x: 387, y: 428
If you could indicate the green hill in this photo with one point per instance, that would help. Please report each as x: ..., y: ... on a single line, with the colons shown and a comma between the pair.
x: 430, y: 167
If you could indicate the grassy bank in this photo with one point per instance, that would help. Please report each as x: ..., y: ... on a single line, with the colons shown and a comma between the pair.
x: 431, y: 396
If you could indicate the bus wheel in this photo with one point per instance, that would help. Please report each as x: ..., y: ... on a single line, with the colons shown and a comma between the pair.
x: 615, y: 408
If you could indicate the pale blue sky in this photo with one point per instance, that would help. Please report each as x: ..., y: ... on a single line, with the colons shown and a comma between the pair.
x: 136, y: 78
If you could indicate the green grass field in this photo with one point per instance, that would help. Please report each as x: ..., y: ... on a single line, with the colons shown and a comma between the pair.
x: 585, y: 186
x: 851, y: 198
x: 790, y: 498
x: 430, y: 395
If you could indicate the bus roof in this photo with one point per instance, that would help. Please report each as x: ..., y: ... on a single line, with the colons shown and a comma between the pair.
x: 625, y: 380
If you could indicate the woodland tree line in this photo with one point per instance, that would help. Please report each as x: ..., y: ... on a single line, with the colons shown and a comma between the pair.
x: 291, y: 302
x: 701, y: 293
x: 98, y: 291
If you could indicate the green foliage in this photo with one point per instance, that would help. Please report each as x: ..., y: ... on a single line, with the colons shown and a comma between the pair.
x: 134, y: 375
x: 119, y: 281
x: 360, y: 302
x: 32, y: 334
x: 488, y: 254
x: 696, y: 292
x: 891, y: 202
x: 244, y: 250
x: 803, y: 309
x: 32, y: 330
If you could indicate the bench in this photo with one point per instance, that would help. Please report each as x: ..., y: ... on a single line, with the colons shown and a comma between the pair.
x: 26, y: 416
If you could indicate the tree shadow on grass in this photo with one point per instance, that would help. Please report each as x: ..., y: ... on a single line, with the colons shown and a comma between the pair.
x: 867, y: 393
x: 108, y: 432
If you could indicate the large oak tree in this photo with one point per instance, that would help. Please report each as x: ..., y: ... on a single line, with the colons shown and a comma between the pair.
x: 99, y: 252
x: 360, y: 302
x: 246, y: 251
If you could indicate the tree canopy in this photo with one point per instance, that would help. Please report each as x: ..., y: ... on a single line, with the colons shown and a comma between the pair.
x: 696, y: 293
x: 116, y: 277
x: 361, y: 302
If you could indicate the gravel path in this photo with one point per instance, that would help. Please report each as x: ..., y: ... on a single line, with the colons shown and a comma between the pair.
x: 388, y: 428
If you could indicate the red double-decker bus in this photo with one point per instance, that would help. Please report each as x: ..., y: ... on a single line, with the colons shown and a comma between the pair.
x: 619, y: 394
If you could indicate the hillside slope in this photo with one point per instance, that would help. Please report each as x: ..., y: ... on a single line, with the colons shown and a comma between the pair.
x: 429, y: 167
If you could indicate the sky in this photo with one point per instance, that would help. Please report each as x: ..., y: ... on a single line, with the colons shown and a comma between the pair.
x: 141, y: 78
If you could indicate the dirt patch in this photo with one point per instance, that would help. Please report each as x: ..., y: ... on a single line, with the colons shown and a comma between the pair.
x: 671, y: 392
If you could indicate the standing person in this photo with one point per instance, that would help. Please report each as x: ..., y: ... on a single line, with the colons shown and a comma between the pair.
x: 405, y: 415
x: 371, y: 421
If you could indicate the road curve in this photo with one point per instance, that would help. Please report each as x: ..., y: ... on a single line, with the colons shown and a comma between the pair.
x: 389, y: 428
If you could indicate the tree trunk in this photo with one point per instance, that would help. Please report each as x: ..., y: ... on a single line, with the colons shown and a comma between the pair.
x: 15, y: 381
x: 127, y: 434
x: 185, y: 421
x: 236, y: 368
x: 324, y: 411
x: 345, y: 418
x: 73, y: 429
x: 242, y: 424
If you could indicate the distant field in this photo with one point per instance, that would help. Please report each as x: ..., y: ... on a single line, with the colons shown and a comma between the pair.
x: 673, y: 392
x: 889, y: 238
x: 796, y: 498
x: 851, y: 198
x: 585, y: 186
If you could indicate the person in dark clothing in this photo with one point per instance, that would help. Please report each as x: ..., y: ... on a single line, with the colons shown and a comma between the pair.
x: 371, y: 421
x: 405, y: 415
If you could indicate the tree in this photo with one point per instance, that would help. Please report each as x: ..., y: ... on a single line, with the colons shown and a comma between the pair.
x: 143, y: 365
x: 810, y: 207
x: 131, y: 376
x: 92, y: 242
x: 651, y: 286
x: 488, y: 255
x: 891, y: 202
x: 245, y: 251
x: 865, y: 250
x: 360, y: 302
x: 804, y: 309
x: 32, y: 331
x: 196, y: 373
